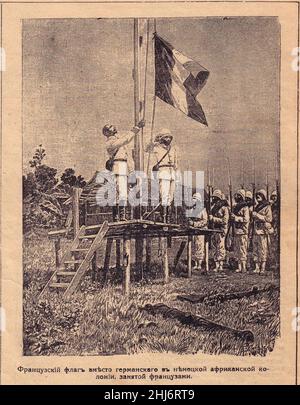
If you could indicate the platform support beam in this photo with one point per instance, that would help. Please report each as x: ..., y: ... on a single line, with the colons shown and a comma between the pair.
x: 126, y: 265
x: 75, y: 208
x: 165, y: 260
x: 94, y: 267
x: 148, y: 254
x: 118, y: 253
x: 189, y: 255
x: 206, y: 254
x: 57, y: 247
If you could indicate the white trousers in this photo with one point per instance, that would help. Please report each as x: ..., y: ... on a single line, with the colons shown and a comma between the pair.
x: 166, y: 176
x: 120, y: 171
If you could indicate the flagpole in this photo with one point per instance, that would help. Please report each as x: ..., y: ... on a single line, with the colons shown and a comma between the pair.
x: 154, y: 99
x: 138, y: 155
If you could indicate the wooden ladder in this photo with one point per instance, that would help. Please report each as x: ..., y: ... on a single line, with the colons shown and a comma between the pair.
x: 77, y: 257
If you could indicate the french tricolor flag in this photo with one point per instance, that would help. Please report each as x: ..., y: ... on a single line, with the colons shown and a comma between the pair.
x: 179, y: 79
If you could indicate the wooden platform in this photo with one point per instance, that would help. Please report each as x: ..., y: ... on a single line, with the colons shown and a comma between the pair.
x: 81, y: 255
x: 141, y: 228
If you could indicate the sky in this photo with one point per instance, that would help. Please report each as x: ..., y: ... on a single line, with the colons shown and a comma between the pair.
x: 77, y: 77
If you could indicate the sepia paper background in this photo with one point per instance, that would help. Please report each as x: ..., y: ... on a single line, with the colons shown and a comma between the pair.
x: 282, y: 362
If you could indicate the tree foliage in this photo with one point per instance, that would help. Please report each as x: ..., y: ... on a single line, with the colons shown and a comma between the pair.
x: 42, y: 191
x: 70, y: 179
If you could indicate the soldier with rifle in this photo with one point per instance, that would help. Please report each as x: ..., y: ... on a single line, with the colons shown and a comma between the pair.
x: 275, y: 210
x: 229, y: 239
x: 262, y: 225
x: 250, y: 198
x: 250, y: 203
x: 198, y: 219
x: 274, y: 238
x: 240, y: 219
x: 219, y: 219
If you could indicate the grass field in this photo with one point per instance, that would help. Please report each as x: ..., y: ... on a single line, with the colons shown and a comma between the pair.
x: 100, y: 321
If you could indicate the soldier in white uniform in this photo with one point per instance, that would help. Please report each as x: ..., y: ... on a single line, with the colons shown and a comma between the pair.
x: 165, y: 166
x: 241, y: 218
x: 219, y: 219
x: 199, y: 219
x: 262, y: 217
x: 117, y: 149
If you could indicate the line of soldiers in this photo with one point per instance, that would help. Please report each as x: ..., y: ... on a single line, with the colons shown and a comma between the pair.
x: 249, y: 225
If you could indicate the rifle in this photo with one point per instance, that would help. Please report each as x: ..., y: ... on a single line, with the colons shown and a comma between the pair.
x: 251, y: 233
x: 212, y: 181
x: 243, y: 177
x: 208, y: 195
x: 209, y: 189
x: 231, y: 231
x: 267, y: 181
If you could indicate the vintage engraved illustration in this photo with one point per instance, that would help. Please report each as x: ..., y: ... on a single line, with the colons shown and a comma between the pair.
x: 151, y: 186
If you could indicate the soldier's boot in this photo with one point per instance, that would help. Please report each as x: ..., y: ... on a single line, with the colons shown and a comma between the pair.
x: 221, y: 262
x: 257, y: 269
x: 239, y: 269
x: 122, y: 211
x: 115, y: 212
x: 198, y: 264
x: 168, y: 214
x: 244, y: 266
x: 262, y: 268
x: 164, y: 214
x: 216, y: 269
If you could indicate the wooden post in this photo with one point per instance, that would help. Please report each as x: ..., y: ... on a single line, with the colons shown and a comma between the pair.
x: 98, y: 256
x: 109, y: 243
x: 118, y: 253
x: 85, y: 213
x: 75, y: 207
x: 57, y: 247
x: 165, y: 260
x: 189, y: 256
x: 207, y: 254
x: 148, y: 254
x: 139, y: 251
x: 94, y: 266
x: 126, y: 265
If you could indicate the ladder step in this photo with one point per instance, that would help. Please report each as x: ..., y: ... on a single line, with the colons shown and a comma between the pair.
x: 88, y: 236
x: 73, y: 261
x: 66, y: 273
x: 59, y: 285
x: 80, y: 250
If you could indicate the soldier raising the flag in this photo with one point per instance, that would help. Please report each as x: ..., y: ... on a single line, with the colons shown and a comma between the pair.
x: 116, y: 146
